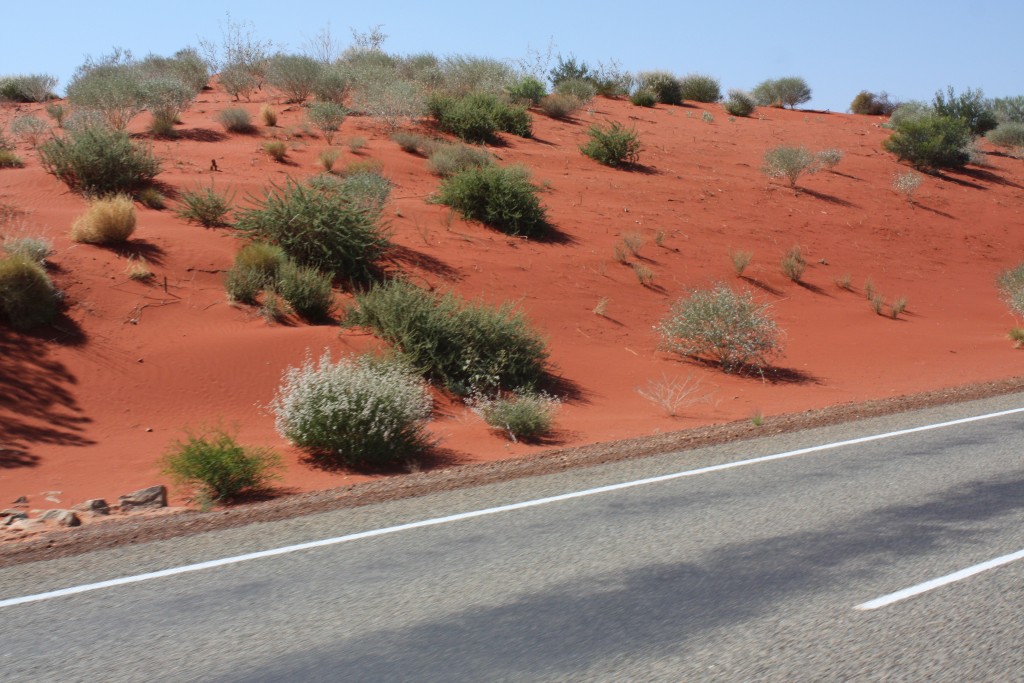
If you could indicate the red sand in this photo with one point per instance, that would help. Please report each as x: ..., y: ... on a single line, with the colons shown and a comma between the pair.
x: 87, y: 409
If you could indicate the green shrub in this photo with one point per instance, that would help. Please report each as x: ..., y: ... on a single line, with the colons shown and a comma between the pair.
x: 95, y: 160
x: 29, y: 129
x: 567, y: 69
x: 238, y: 81
x: 296, y: 76
x: 306, y: 289
x: 527, y: 90
x: 501, y: 197
x: 152, y: 198
x: 559, y: 106
x: 739, y: 103
x: 788, y: 162
x: 1007, y: 134
x: 644, y: 98
x: 930, y: 141
x: 9, y: 159
x: 970, y: 106
x: 27, y: 296
x: 324, y: 229
x: 327, y: 159
x: 235, y: 120
x: 723, y: 326
x: 57, y: 112
x: 612, y: 145
x: 256, y: 267
x: 582, y: 90
x: 331, y: 85
x: 110, y: 86
x: 780, y: 92
x: 465, y: 346
x: 461, y: 74
x: 327, y: 116
x: 359, y: 411
x: 1009, y: 109
x: 390, y: 101
x: 829, y: 158
x: 276, y: 150
x: 524, y: 416
x: 793, y: 264
x: 700, y: 88
x: 27, y: 88
x: 1011, y: 286
x: 363, y: 185
x: 871, y: 104
x: 611, y: 81
x: 905, y: 111
x: 478, y: 116
x: 215, y: 463
x: 108, y: 220
x: 205, y: 206
x: 35, y: 248
x: 448, y: 160
x: 664, y: 85
x: 414, y: 143
x: 165, y: 98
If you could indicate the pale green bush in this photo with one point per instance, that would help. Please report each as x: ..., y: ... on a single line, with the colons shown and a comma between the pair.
x: 789, y: 162
x: 523, y: 416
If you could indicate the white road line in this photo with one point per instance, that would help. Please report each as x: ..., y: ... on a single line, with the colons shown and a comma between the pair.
x: 173, y: 571
x: 891, y: 598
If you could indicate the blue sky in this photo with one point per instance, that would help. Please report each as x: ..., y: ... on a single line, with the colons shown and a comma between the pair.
x: 907, y: 48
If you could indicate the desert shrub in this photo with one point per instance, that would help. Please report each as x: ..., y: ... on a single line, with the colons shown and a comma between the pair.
x: 165, y: 98
x: 214, y: 462
x: 788, y: 162
x: 361, y: 184
x: 739, y: 103
x: 35, y: 248
x: 906, y: 183
x: 1009, y: 109
x: 187, y: 66
x: 526, y: 90
x: 723, y: 326
x: 829, y: 158
x: 559, y: 106
x: 108, y: 220
x: 611, y: 81
x: 869, y: 103
x: 568, y: 68
x: 29, y: 129
x: 205, y: 206
x: 930, y: 141
x: 448, y: 160
x: 644, y: 98
x: 1008, y: 134
x: 57, y: 112
x: 331, y: 85
x: 664, y: 85
x: 324, y: 229
x: 501, y: 197
x: 390, y: 101
x: 326, y: 116
x: 780, y: 92
x: 359, y: 411
x: 522, y: 416
x: 96, y: 160
x: 276, y: 150
x: 111, y: 86
x: 256, y: 266
x: 1011, y: 287
x: 296, y: 76
x: 583, y: 90
x: 465, y: 346
x: 793, y: 264
x: 414, y: 143
x: 700, y: 88
x: 478, y: 116
x: 27, y: 296
x: 905, y: 111
x: 268, y: 115
x: 238, y: 81
x: 235, y: 120
x: 462, y: 74
x: 327, y: 159
x: 27, y: 87
x: 356, y: 144
x: 306, y: 289
x: 740, y: 260
x: 152, y: 198
x: 612, y: 145
x: 970, y: 106
x: 8, y: 159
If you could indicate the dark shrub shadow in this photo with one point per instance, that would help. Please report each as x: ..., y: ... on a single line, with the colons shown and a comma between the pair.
x: 985, y: 175
x: 202, y: 135
x: 432, y: 458
x: 828, y: 198
x: 417, y: 259
x: 140, y: 248
x: 761, y: 285
x: 813, y: 288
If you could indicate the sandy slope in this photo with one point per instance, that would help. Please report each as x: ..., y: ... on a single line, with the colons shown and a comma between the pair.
x: 88, y: 407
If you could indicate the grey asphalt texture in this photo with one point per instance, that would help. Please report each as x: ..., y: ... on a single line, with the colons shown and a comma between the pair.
x: 745, y: 574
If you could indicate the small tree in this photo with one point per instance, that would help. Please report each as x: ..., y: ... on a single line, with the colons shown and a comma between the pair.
x: 970, y: 106
x: 780, y: 92
x: 721, y: 325
x: 328, y: 117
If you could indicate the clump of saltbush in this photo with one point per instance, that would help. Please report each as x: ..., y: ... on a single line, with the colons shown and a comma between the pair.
x: 789, y: 162
x: 782, y: 92
x: 27, y: 295
x: 296, y: 76
x: 739, y: 103
x: 970, y: 106
x: 560, y: 106
x: 35, y: 248
x: 526, y: 90
x: 612, y: 145
x: 205, y: 206
x: 467, y: 347
x: 96, y: 160
x: 644, y: 98
x: 581, y: 89
x: 1008, y: 134
x: 332, y: 227
x: 27, y: 88
x: 256, y: 267
x: 867, y: 102
x: 723, y: 326
x: 235, y: 120
x: 306, y: 289
x: 358, y: 411
x: 108, y: 220
x: 221, y: 469
x: 700, y: 88
x: 665, y: 86
x: 326, y: 116
x: 524, y: 416
x: 447, y: 160
x: 501, y: 197
x: 479, y: 116
x: 929, y: 141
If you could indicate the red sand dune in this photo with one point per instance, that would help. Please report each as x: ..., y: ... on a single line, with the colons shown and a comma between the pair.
x: 88, y: 407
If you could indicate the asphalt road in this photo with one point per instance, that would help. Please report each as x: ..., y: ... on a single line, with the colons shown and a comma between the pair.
x: 741, y: 574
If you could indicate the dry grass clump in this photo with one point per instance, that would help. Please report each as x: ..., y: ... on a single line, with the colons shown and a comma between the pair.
x: 109, y: 220
x: 276, y: 149
x: 793, y: 264
x: 268, y: 115
x: 740, y: 260
x: 672, y: 394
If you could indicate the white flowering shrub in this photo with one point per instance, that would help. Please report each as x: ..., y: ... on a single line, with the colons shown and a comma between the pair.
x: 358, y: 411
x: 723, y: 326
